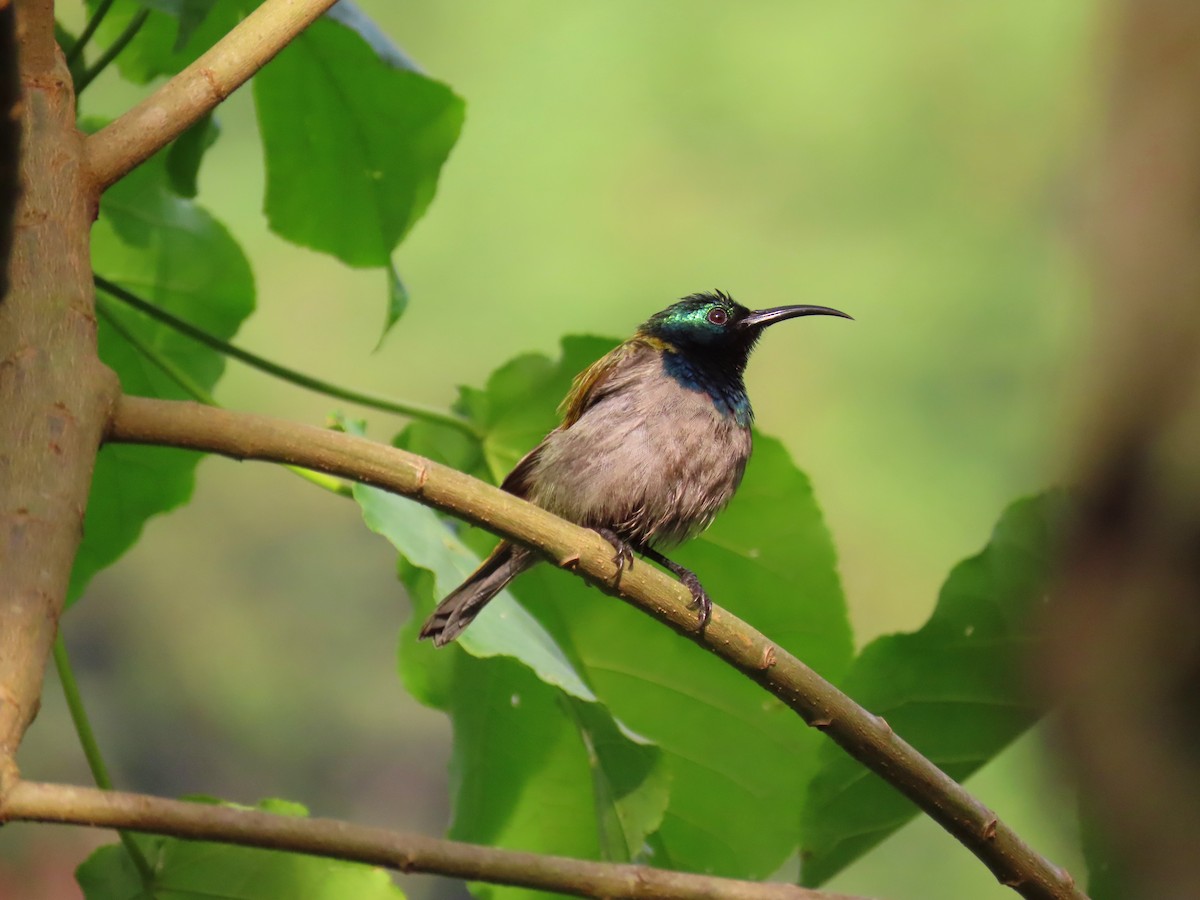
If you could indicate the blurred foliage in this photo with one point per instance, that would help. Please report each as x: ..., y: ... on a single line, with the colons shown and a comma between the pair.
x: 202, y: 870
x: 916, y: 166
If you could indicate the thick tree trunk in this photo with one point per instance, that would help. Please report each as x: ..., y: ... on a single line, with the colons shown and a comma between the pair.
x: 55, y: 395
x: 1126, y: 649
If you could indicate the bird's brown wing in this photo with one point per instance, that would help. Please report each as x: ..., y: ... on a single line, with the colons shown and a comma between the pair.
x: 589, y: 385
x: 517, y: 481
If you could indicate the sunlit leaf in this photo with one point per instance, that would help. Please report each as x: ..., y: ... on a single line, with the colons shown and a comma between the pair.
x: 353, y: 143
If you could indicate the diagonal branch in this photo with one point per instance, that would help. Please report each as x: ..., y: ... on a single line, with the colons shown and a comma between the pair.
x: 64, y: 804
x: 181, y: 102
x: 864, y: 736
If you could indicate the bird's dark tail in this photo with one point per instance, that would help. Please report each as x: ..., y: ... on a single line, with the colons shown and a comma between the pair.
x: 463, y: 604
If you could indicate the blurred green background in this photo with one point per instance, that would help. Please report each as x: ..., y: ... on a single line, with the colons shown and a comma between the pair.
x: 920, y: 165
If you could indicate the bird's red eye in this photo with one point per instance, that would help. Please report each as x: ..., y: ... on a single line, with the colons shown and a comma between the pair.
x: 718, y: 316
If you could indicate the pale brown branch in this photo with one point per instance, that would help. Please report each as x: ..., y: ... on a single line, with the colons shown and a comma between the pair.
x: 64, y: 804
x: 864, y: 736
x: 181, y: 102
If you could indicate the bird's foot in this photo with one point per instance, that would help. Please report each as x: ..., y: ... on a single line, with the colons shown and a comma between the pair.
x: 700, y: 598
x: 623, y: 555
x: 688, y: 578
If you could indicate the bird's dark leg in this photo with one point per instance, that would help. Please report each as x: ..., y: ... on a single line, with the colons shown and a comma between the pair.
x: 623, y: 558
x: 687, y: 577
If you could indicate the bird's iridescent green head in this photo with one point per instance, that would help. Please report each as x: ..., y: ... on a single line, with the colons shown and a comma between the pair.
x: 715, y: 325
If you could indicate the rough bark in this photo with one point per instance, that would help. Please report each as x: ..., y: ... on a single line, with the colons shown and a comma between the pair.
x: 55, y: 395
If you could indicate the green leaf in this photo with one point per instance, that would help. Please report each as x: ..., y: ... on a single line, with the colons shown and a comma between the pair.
x: 353, y: 144
x: 202, y: 870
x: 186, y: 153
x: 953, y: 689
x: 175, y: 254
x: 397, y: 300
x: 736, y: 756
x: 424, y: 541
x: 176, y: 33
x: 1108, y: 877
x: 536, y: 769
x: 574, y: 781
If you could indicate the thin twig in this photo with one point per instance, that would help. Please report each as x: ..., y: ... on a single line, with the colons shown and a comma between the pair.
x: 181, y: 102
x: 88, y: 30
x: 91, y: 751
x: 119, y: 44
x: 64, y: 804
x: 864, y: 736
x: 300, y: 379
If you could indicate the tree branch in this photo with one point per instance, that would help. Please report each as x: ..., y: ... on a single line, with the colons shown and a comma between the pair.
x: 63, y: 804
x: 168, y: 112
x: 864, y: 736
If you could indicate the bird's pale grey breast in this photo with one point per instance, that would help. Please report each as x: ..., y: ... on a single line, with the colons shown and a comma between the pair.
x: 650, y: 458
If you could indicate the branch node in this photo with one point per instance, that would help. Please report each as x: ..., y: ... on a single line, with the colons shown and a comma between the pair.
x: 214, y: 82
x: 768, y: 658
x: 989, y: 828
x: 821, y: 724
x: 570, y: 562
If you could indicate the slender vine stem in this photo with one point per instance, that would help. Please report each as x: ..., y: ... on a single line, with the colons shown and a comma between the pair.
x: 197, y: 392
x: 300, y: 379
x: 91, y: 751
x: 88, y: 30
x: 131, y: 30
x: 163, y: 362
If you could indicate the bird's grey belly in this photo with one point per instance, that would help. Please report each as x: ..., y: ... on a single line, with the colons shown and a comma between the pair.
x: 655, y: 466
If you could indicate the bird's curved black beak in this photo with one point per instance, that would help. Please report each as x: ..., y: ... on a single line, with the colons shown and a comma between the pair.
x: 761, y: 318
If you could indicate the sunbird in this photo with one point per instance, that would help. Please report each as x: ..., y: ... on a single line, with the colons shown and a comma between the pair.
x: 653, y: 443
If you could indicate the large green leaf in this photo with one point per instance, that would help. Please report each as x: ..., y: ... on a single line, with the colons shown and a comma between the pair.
x: 424, y: 541
x: 954, y: 689
x: 736, y: 756
x: 200, y: 870
x: 353, y: 142
x: 173, y: 253
x: 539, y: 764
x: 537, y: 769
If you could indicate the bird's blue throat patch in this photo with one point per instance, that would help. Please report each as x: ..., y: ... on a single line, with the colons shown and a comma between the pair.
x: 724, y: 387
